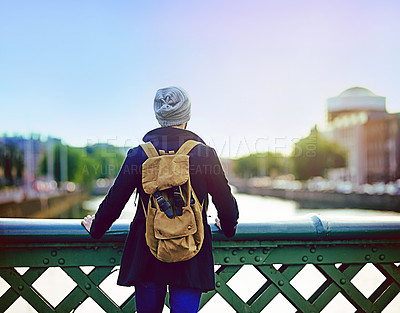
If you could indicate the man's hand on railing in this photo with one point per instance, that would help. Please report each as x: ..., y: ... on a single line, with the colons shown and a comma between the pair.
x: 218, y: 223
x: 87, y: 222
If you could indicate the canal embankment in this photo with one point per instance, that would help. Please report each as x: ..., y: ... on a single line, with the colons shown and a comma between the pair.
x: 323, y: 199
x: 44, y: 206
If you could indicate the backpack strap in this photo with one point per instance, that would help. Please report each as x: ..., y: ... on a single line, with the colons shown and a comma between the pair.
x: 149, y: 149
x: 143, y: 207
x: 187, y: 146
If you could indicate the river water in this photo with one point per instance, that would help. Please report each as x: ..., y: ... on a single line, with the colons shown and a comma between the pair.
x: 54, y: 283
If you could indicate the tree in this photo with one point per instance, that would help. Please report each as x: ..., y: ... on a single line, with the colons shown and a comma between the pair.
x: 12, y: 163
x: 314, y: 154
x: 261, y: 164
x: 87, y: 164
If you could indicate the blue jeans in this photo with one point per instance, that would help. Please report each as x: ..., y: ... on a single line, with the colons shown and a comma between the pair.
x: 150, y: 298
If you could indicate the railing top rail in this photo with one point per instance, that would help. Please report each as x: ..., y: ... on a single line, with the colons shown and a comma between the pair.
x: 305, y: 228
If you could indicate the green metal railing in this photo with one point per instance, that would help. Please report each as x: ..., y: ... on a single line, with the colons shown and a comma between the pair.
x: 278, y: 251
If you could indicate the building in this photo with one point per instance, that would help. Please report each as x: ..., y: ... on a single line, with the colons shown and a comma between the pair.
x: 357, y: 119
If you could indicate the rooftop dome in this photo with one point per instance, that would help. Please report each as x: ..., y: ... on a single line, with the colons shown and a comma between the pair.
x: 357, y: 92
x: 356, y: 99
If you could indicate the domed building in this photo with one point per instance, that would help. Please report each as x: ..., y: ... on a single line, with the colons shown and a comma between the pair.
x: 356, y: 99
x: 358, y: 120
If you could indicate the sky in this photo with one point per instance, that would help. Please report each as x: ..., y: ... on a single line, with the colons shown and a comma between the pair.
x: 258, y: 72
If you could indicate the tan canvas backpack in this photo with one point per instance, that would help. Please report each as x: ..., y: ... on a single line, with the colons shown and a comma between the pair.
x: 174, y: 223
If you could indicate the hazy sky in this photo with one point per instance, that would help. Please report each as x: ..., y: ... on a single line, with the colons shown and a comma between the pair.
x: 258, y: 72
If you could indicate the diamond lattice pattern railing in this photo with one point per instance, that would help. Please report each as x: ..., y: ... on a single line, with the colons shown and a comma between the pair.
x: 252, y: 275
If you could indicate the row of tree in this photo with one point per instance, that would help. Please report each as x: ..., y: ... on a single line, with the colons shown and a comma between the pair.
x: 85, y: 164
x: 311, y: 156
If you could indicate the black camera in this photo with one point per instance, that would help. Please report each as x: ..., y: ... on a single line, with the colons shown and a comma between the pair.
x: 178, y: 200
x: 164, y: 205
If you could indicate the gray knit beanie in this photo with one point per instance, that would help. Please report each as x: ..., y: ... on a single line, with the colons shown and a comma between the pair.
x: 172, y: 106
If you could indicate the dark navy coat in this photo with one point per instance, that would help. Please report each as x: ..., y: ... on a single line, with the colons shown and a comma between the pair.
x: 207, y: 177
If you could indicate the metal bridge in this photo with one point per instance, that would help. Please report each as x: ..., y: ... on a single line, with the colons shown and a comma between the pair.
x: 279, y: 250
